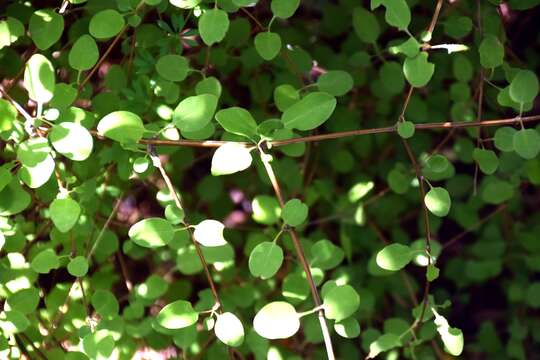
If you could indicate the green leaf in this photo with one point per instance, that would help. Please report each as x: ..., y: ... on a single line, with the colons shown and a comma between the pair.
x: 151, y: 232
x: 209, y: 233
x: 294, y: 212
x: 365, y: 25
x: 25, y: 301
x: 491, y: 52
x: 105, y: 303
x: 397, y: 13
x: 458, y: 27
x: 33, y: 151
x: 195, y: 112
x: 213, y: 25
x: 46, y: 27
x: 284, y: 9
x: 237, y: 121
x: 78, y: 266
x: 230, y: 158
x: 325, y: 255
x: 487, y: 160
x: 432, y: 272
x: 504, y: 138
x: 451, y: 337
x: 39, y: 78
x: 310, y: 112
x: 497, y: 191
x: 173, y: 67
x: 394, y: 257
x: 405, y: 129
x: 418, y: 70
x: 383, y: 343
x: 121, y: 126
x: 13, y: 199
x: 335, y: 82
x: 437, y: 163
x: 12, y: 322
x: 37, y: 175
x: 106, y: 24
x: 8, y: 115
x: 348, y: 328
x: 409, y: 47
x: 10, y: 30
x: 72, y: 140
x: 391, y: 74
x: 98, y: 345
x: 185, y: 4
x: 45, y: 261
x: 266, y: 209
x: 209, y: 85
x: 229, y: 329
x: 84, y: 53
x: 267, y: 44
x: 524, y: 87
x: 64, y: 213
x: 527, y: 143
x: 276, y: 320
x: 438, y: 201
x: 177, y: 315
x: 341, y: 302
x: 265, y: 260
x: 285, y: 96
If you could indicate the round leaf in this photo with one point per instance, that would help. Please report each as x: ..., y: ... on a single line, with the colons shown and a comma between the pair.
x: 177, y: 315
x: 230, y: 158
x: 14, y: 198
x: 195, y: 112
x: 284, y: 8
x: 237, y: 121
x: 229, y: 329
x: 78, y: 266
x: 438, y: 201
x: 285, y: 96
x: 210, y: 233
x: 418, y: 70
x: 45, y: 261
x: 84, y: 54
x: 294, y: 212
x: 64, y: 213
x: 106, y: 24
x: 365, y: 25
x: 268, y: 44
x: 72, y: 140
x: 524, y: 87
x: 347, y: 328
x: 335, y: 82
x: 173, y: 67
x: 527, y: 143
x: 405, y: 129
x: 277, y: 320
x: 340, y: 302
x: 265, y: 260
x: 121, y: 126
x: 46, y: 27
x: 213, y: 25
x: 151, y: 232
x: 487, y: 160
x: 310, y: 112
x: 39, y: 78
x: 491, y: 52
x: 394, y: 257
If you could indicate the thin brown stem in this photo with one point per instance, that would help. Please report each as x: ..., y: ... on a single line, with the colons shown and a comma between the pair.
x: 301, y: 257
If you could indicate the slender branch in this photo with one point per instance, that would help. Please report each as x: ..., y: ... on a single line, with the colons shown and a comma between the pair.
x: 435, y: 17
x: 266, y: 158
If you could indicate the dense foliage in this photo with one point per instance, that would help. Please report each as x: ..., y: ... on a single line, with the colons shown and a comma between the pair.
x: 273, y: 179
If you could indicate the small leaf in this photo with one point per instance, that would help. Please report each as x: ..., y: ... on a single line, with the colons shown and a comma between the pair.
x: 383, y: 343
x: 230, y: 158
x: 265, y: 260
x: 8, y: 115
x: 172, y: 67
x: 310, y: 112
x: 14, y: 198
x: 410, y: 48
x: 64, y: 213
x: 45, y: 261
x: 527, y: 143
x: 365, y: 25
x: 394, y: 257
x: 37, y: 175
x: 437, y: 163
x: 195, y: 112
x: 268, y: 45
x: 284, y: 9
x: 418, y: 70
x: 266, y: 209
x: 491, y: 52
x: 524, y: 87
x: 347, y: 328
x: 209, y: 85
x: 84, y: 53
x: 341, y: 302
x: 78, y: 266
x: 213, y: 25
x: 185, y: 4
x: 397, y: 13
x: 504, y: 138
x: 237, y: 121
x: 285, y: 96
x: 487, y: 160
x: 276, y: 320
x: 151, y: 232
x: 121, y: 126
x: 39, y: 78
x: 229, y: 329
x: 405, y: 129
x: 438, y: 201
x: 432, y: 272
x: 335, y: 82
x: 46, y: 27
x: 105, y: 303
x: 210, y: 233
x: 294, y: 212
x: 177, y: 315
x: 106, y: 24
x: 451, y: 337
x: 72, y: 140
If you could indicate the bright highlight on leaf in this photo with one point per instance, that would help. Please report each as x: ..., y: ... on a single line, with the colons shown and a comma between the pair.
x: 230, y: 158
x: 438, y: 201
x: 151, y: 232
x: 210, y: 233
x: 72, y: 140
x: 341, y: 302
x: 451, y: 337
x: 394, y: 257
x: 46, y: 27
x: 195, y: 112
x: 39, y: 78
x: 310, y: 112
x: 177, y: 315
x: 121, y: 126
x: 277, y: 320
x: 229, y: 329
